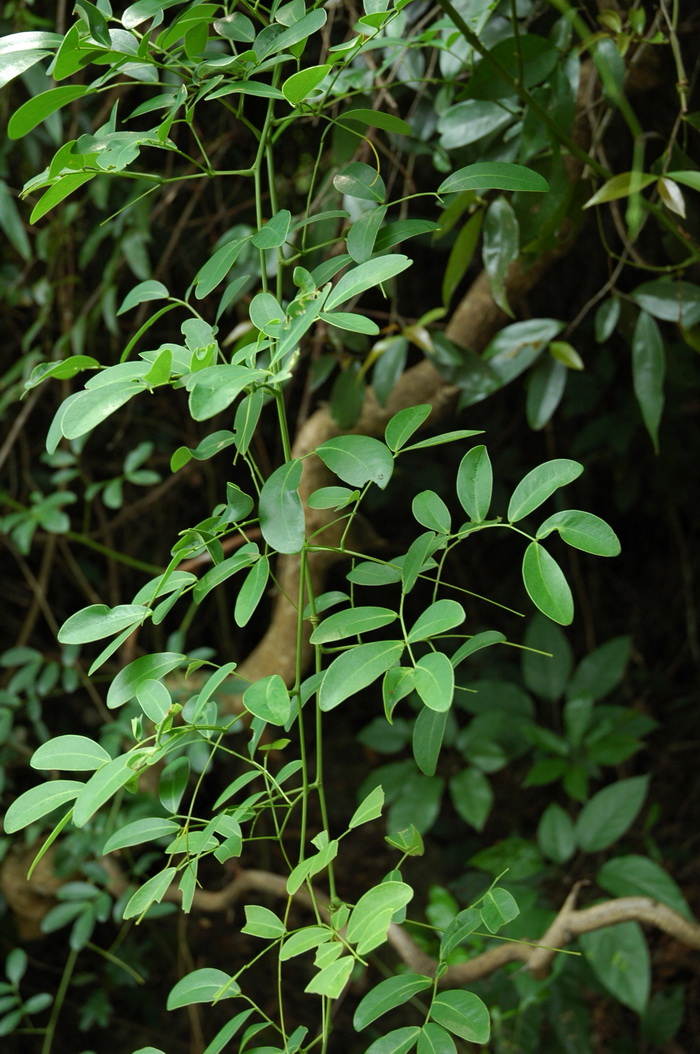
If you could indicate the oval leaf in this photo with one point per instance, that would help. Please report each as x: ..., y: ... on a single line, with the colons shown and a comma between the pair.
x: 582, y: 530
x: 546, y: 585
x: 281, y: 512
x: 356, y: 669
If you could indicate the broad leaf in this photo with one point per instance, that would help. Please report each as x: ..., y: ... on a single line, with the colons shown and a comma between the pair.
x: 70, y: 753
x: 493, y: 175
x: 546, y: 585
x: 648, y: 372
x: 434, y: 680
x: 475, y: 483
x: 387, y: 995
x: 146, y: 668
x: 281, y: 511
x: 357, y: 669
x: 202, y: 986
x: 633, y: 875
x: 364, y: 276
x: 102, y: 786
x: 609, y: 813
x: 472, y: 796
x: 582, y: 530
x: 619, y: 957
x: 350, y: 622
x: 370, y: 918
x: 539, y: 484
x: 430, y: 511
x: 440, y: 617
x: 269, y: 700
x: 463, y: 1014
x: 98, y: 621
x: 358, y: 460
x: 38, y: 802
x: 498, y: 907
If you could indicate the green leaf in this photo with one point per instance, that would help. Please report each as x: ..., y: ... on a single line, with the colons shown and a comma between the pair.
x: 547, y: 383
x: 261, y: 922
x: 38, y: 108
x: 648, y: 371
x: 555, y: 834
x: 364, y: 276
x: 202, y: 986
x: 501, y: 245
x: 606, y: 319
x: 98, y: 621
x: 440, y: 617
x: 539, y: 484
x: 582, y: 530
x: 146, y: 668
x: 91, y: 407
x: 546, y: 585
x: 301, y: 85
x: 387, y: 995
x: 213, y: 272
x: 39, y: 802
x: 370, y: 918
x: 461, y: 255
x: 417, y: 557
x: 12, y: 225
x: 143, y: 292
x: 633, y: 875
x: 434, y: 680
x: 269, y: 700
x: 472, y: 796
x: 214, y: 388
x: 14, y: 63
x: 70, y: 753
x: 357, y: 669
x: 430, y: 511
x: 463, y: 1014
x: 475, y: 483
x: 223, y: 1036
x: 493, y: 175
x: 476, y: 643
x: 388, y: 122
x: 601, y: 671
x: 461, y: 926
x: 370, y: 808
x: 304, y: 940
x: 398, y: 1041
x: 670, y: 301
x: 428, y: 734
x: 172, y: 783
x: 251, y: 592
x: 358, y: 180
x: 363, y: 234
x: 498, y: 907
x: 357, y: 460
x: 274, y: 233
x: 148, y: 829
x: 351, y: 322
x: 467, y: 122
x: 280, y: 509
x: 620, y: 186
x: 350, y: 622
x: 101, y: 786
x: 220, y: 573
x: 619, y: 957
x: 58, y: 192
x: 610, y: 813
x: 331, y: 980
x: 546, y: 675
x: 403, y: 424
x: 299, y: 31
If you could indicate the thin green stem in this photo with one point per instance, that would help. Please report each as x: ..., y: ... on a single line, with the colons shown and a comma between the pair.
x: 59, y: 1000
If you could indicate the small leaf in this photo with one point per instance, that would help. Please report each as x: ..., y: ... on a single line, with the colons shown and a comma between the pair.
x: 261, y: 922
x: 331, y: 980
x: 619, y: 957
x: 388, y: 122
x: 620, y: 186
x: 358, y: 180
x: 370, y: 918
x: 430, y: 511
x: 213, y: 272
x: 434, y: 680
x: 369, y: 809
x: 101, y: 786
x: 540, y: 484
x: 143, y: 292
x: 501, y: 245
x: 91, y: 407
x: 363, y: 234
x: 301, y: 85
x: 428, y: 734
x: 403, y: 424
x: 609, y: 813
x: 281, y: 512
x: 387, y: 995
x: 463, y: 1014
x: 38, y: 802
x: 304, y: 940
x: 634, y: 875
x: 547, y: 382
x: 440, y: 617
x: 493, y: 175
x: 498, y: 907
x: 98, y: 621
x: 555, y: 834
x: 582, y: 530
x: 146, y: 668
x: 269, y: 700
x: 350, y: 622
x: 357, y: 459
x: 70, y: 753
x: 475, y: 483
x: 58, y: 192
x: 461, y: 926
x: 546, y: 585
x: 39, y: 107
x: 649, y: 368
x: 148, y: 829
x: 202, y: 986
x: 251, y: 592
x: 356, y: 669
x: 364, y: 276
x: 274, y: 233
x: 472, y: 796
